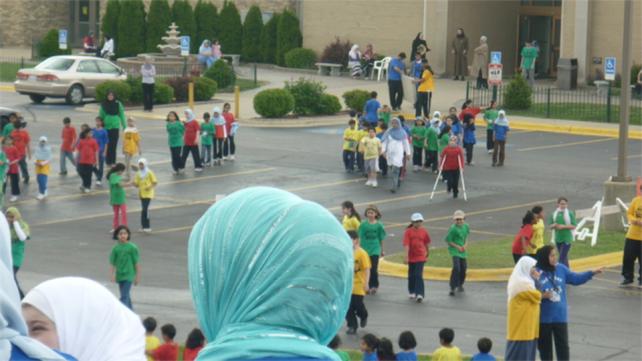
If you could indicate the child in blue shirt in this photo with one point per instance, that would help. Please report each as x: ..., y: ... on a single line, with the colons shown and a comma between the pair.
x: 100, y: 134
x: 371, y: 109
x: 484, y: 345
x: 500, y: 130
x: 368, y: 346
x: 407, y: 343
x: 469, y: 137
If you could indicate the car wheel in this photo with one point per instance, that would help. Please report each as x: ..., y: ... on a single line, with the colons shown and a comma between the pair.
x: 75, y: 95
x: 37, y: 98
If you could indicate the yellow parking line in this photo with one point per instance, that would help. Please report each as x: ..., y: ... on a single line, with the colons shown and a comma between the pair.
x: 629, y: 156
x: 7, y: 88
x: 565, y: 144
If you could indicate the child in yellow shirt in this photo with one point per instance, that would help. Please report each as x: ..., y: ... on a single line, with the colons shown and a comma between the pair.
x: 43, y: 157
x: 151, y: 342
x: 447, y: 352
x: 131, y: 145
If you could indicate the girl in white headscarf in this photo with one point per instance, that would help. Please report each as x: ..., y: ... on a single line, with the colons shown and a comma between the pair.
x: 88, y: 322
x: 145, y: 180
x: 220, y: 135
x: 354, y: 61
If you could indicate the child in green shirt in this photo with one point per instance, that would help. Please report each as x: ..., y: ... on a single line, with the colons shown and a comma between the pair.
x: 372, y: 234
x: 117, y: 194
x: 124, y: 264
x: 562, y: 221
x: 418, y: 134
x: 490, y: 114
x: 457, y: 239
x: 431, y: 144
x: 334, y: 345
x: 207, y: 138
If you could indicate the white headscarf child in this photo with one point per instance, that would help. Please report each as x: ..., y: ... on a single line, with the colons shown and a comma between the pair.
x: 189, y: 115
x: 501, y: 119
x: 143, y: 172
x: 354, y: 53
x: 521, y: 280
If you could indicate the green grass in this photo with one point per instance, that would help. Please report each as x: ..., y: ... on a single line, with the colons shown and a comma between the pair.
x: 244, y: 84
x: 580, y: 111
x: 8, y: 71
x: 496, y: 253
x: 357, y: 355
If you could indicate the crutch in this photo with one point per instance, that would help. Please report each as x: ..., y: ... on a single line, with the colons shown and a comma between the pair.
x: 461, y: 174
x: 438, y: 176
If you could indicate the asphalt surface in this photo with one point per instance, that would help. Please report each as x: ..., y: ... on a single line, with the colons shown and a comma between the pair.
x: 70, y: 230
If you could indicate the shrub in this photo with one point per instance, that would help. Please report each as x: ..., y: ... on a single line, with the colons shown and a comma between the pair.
x: 329, y: 104
x: 272, y: 103
x: 222, y: 74
x: 131, y: 28
x: 120, y: 87
x: 183, y: 16
x: 517, y: 94
x: 109, y: 22
x: 163, y: 93
x: 159, y: 18
x: 300, y: 58
x: 336, y: 52
x: 230, y: 30
x: 48, y: 46
x: 204, y: 88
x: 306, y: 95
x: 179, y: 84
x: 252, y: 35
x: 635, y: 69
x: 136, y: 86
x: 206, y: 17
x: 356, y: 99
x: 288, y: 35
x: 268, y: 40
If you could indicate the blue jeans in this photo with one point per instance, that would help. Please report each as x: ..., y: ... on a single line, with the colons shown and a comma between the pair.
x: 125, y: 287
x: 206, y: 60
x: 348, y: 160
x: 396, y: 173
x: 563, y: 249
x: 206, y: 153
x: 98, y: 171
x: 63, y: 160
x: 416, y: 278
x: 458, y: 273
x: 42, y: 183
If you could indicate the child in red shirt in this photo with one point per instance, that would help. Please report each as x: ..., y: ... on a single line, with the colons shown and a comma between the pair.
x: 416, y: 241
x: 67, y: 147
x: 168, y: 351
x: 522, y: 240
x: 453, y: 162
x: 21, y: 140
x: 193, y: 345
x: 87, y: 158
x: 230, y: 125
x: 13, y: 158
x: 190, y: 138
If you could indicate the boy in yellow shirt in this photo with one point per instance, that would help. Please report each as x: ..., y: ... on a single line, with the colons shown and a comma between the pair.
x: 633, y: 243
x: 447, y: 352
x: 350, y: 145
x: 371, y: 149
x: 537, y: 241
x: 151, y: 342
x: 131, y: 145
x: 359, y: 286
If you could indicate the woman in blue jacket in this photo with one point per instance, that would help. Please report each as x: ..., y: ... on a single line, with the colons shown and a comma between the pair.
x: 554, y: 309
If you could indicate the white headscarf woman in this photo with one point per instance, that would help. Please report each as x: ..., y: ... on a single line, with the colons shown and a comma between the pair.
x: 521, y: 279
x: 91, y: 324
x: 13, y: 330
x: 522, y: 324
x: 354, y: 60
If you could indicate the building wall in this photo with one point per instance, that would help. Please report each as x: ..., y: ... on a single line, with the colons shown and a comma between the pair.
x: 25, y: 20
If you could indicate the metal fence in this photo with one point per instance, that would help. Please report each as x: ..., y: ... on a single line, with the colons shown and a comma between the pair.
x: 591, y: 103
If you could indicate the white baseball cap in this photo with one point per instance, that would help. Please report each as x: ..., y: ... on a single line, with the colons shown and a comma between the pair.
x: 459, y: 214
x: 417, y: 217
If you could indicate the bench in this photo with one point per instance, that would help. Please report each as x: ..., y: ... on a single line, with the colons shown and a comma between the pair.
x: 602, y: 87
x: 329, y: 68
x: 235, y: 59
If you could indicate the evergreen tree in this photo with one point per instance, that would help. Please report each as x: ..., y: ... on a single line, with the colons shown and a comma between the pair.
x: 183, y: 16
x: 252, y: 34
x: 159, y: 19
x: 230, y: 29
x: 109, y: 25
x: 288, y: 36
x: 206, y: 17
x: 131, y: 28
x: 268, y: 40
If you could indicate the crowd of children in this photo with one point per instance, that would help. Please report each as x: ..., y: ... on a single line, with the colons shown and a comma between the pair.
x: 169, y: 350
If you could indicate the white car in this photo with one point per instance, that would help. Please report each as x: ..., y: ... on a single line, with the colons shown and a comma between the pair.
x: 72, y: 77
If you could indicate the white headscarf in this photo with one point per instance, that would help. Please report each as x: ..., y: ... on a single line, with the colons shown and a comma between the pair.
x: 521, y: 280
x: 501, y: 119
x: 217, y: 119
x: 13, y: 330
x: 189, y: 115
x: 91, y: 323
x: 143, y: 172
x: 435, y: 122
x: 354, y: 53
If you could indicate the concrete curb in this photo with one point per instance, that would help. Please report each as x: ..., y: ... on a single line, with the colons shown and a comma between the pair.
x: 399, y: 270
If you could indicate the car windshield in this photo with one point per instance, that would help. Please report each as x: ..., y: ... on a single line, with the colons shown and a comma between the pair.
x: 56, y: 64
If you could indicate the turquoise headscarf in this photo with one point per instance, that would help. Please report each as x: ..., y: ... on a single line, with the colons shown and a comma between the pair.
x: 271, y: 276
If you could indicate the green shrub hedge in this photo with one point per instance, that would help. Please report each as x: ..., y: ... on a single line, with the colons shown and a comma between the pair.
x: 329, y: 104
x: 356, y: 99
x: 517, y: 95
x: 163, y: 93
x: 222, y: 74
x: 179, y: 84
x: 306, y: 95
x: 288, y: 35
x: 300, y: 58
x: 204, y: 88
x: 273, y: 103
x: 122, y: 89
x: 48, y: 46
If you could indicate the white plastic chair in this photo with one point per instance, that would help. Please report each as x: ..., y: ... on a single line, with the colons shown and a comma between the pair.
x: 623, y: 213
x: 381, y: 67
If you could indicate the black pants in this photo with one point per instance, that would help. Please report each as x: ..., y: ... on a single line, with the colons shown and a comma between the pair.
x: 452, y: 181
x: 516, y: 257
x: 557, y: 332
x: 423, y: 103
x: 14, y: 179
x: 395, y: 89
x: 348, y: 160
x: 416, y: 278
x: 144, y: 214
x: 469, y: 147
x: 356, y: 309
x: 187, y: 149
x: 374, y: 272
x: 499, y: 151
x: 148, y: 96
x: 15, y: 277
x: 219, y: 144
x: 24, y: 169
x: 432, y: 160
x: 177, y: 162
x: 458, y: 272
x: 383, y: 165
x: 481, y: 82
x: 490, y: 144
x: 112, y: 135
x: 417, y: 153
x: 85, y: 171
x: 632, y: 251
x: 229, y: 148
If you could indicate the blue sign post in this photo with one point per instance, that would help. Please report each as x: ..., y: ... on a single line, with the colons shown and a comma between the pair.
x: 495, y: 57
x: 185, y: 45
x: 609, y: 68
x: 62, y: 39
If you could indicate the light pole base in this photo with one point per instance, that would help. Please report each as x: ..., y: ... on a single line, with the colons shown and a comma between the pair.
x: 625, y: 190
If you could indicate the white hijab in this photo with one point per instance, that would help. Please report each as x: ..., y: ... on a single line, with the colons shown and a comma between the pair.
x: 13, y: 330
x: 521, y: 280
x: 189, y: 115
x: 501, y: 119
x: 354, y: 53
x: 92, y: 324
x: 143, y: 172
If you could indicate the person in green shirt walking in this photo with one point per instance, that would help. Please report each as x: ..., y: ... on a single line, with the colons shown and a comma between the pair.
x: 175, y: 131
x: 529, y: 56
x: 563, y: 223
x: 9, y: 127
x: 124, y: 264
x: 431, y: 143
x: 112, y: 112
x: 418, y: 134
x: 207, y: 139
x: 457, y: 239
x: 117, y: 195
x: 19, y: 234
x: 490, y: 114
x: 372, y: 234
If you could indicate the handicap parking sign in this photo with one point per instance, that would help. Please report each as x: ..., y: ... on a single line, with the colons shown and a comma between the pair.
x: 62, y: 39
x: 495, y: 57
x: 609, y: 68
x: 185, y: 45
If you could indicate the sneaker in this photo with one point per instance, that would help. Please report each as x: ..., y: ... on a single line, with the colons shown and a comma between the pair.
x: 364, y: 322
x: 351, y: 331
x: 174, y: 172
x: 86, y: 190
x: 198, y: 169
x: 451, y: 293
x: 374, y: 184
x: 62, y: 173
x: 460, y: 289
x: 40, y: 196
x: 626, y: 282
x: 82, y: 189
x: 99, y: 183
x: 490, y: 151
x: 412, y: 296
x: 147, y: 230
x: 232, y: 157
x: 46, y: 193
x: 393, y: 191
x: 368, y: 183
x: 26, y: 180
x: 420, y: 299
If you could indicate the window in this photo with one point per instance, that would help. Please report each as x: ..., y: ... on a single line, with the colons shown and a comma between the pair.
x: 88, y: 66
x: 56, y: 64
x: 107, y: 67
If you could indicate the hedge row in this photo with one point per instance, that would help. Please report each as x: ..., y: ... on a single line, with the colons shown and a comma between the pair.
x: 303, y: 97
x: 130, y: 91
